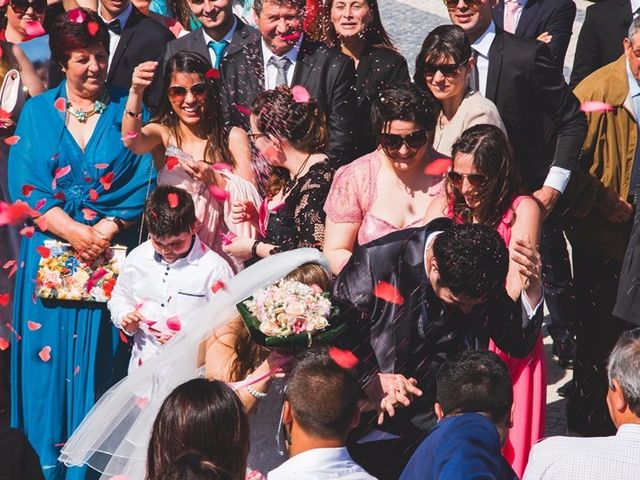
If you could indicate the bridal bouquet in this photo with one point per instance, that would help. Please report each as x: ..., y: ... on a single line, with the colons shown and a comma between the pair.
x: 291, y: 314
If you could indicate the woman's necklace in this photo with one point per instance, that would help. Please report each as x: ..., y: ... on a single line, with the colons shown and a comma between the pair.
x: 291, y: 183
x: 82, y: 115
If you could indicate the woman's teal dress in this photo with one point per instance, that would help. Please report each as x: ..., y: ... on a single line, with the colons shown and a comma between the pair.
x: 50, y: 399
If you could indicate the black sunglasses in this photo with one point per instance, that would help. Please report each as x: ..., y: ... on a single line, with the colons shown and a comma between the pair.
x: 391, y: 141
x: 178, y: 92
x: 447, y: 69
x: 21, y: 6
x: 475, y: 179
x: 453, y: 4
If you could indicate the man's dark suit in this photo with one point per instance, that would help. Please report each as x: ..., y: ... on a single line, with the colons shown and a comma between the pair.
x: 539, y: 16
x: 628, y: 302
x: 415, y: 338
x: 525, y: 84
x: 141, y: 40
x: 460, y: 446
x: 605, y: 26
x: 328, y: 76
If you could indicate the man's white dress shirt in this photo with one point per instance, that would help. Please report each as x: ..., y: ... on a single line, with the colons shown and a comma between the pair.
x: 558, y: 177
x: 270, y: 70
x: 114, y: 38
x: 597, y: 458
x: 319, y: 464
x: 160, y: 290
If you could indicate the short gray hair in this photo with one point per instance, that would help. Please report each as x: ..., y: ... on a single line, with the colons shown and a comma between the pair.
x: 258, y: 4
x: 633, y: 28
x: 624, y: 366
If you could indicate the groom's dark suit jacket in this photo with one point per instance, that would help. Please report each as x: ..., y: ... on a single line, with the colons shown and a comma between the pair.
x: 415, y: 338
x: 328, y: 76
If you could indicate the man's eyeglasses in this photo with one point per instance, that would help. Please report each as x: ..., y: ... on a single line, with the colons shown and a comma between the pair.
x: 475, y: 179
x: 449, y: 70
x: 453, y: 4
x: 255, y: 136
x: 178, y: 92
x: 21, y: 6
x: 415, y: 140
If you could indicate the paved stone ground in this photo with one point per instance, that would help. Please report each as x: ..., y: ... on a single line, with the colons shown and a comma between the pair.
x: 408, y: 22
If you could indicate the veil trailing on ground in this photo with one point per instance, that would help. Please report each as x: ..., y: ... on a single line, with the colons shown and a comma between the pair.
x: 114, y: 437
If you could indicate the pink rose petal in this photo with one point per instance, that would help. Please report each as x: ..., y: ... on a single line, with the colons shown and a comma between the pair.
x: 595, y: 106
x: 174, y: 324
x: 76, y: 15
x: 300, y: 94
x: 34, y: 29
x: 33, y: 325
x: 45, y: 354
x: 60, y: 104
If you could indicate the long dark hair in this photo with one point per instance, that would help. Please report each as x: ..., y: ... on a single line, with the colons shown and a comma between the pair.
x: 375, y: 34
x: 202, y: 416
x: 442, y: 41
x: 217, y: 148
x: 492, y: 157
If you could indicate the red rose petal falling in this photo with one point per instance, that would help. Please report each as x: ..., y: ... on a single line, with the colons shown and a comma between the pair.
x: 218, y: 193
x: 292, y: 37
x: 595, y: 106
x: 93, y: 195
x: 58, y: 173
x: 123, y: 337
x: 4, y: 299
x: 174, y: 324
x: 28, y: 231
x: 212, y: 73
x: 107, y: 179
x: 4, y: 344
x: 45, y: 353
x: 43, y: 251
x: 60, y: 104
x: 89, y: 214
x: 227, y: 238
x: 242, y: 109
x: 438, y: 167
x: 15, y: 213
x: 221, y: 166
x: 4, y: 113
x: 387, y: 292
x: 13, y: 265
x: 344, y: 358
x: 172, y: 198
x: 101, y: 166
x: 300, y: 94
x: 76, y: 15
x: 216, y: 287
x: 40, y: 203
x: 34, y: 29
x: 12, y: 140
x: 27, y: 189
x: 92, y: 28
x: 172, y: 162
x: 33, y: 325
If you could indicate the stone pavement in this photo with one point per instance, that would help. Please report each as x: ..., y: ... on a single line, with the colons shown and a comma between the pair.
x: 408, y: 22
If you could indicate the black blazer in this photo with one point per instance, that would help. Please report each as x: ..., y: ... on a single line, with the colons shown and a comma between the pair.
x: 539, y: 16
x: 415, y: 338
x: 327, y: 74
x: 377, y: 69
x: 605, y: 26
x: 628, y: 302
x: 525, y: 84
x: 141, y: 40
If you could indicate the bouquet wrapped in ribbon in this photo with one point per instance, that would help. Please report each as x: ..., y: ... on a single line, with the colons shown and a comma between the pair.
x: 291, y: 315
x: 62, y: 275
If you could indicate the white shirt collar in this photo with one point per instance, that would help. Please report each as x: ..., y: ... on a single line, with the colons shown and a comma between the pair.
x: 483, y: 44
x: 198, y: 249
x: 635, y: 5
x: 227, y: 37
x: 122, y: 18
x: 291, y: 54
x: 319, y: 463
x: 522, y: 3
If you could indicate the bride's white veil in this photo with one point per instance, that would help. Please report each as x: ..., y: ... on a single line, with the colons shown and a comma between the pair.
x: 114, y: 436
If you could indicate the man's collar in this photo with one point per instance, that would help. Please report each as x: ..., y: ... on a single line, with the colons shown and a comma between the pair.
x: 226, y: 38
x: 635, y: 5
x: 122, y: 18
x: 483, y: 43
x: 197, y: 250
x: 292, y: 54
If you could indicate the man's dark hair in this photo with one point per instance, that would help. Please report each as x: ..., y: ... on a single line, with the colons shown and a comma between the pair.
x: 169, y: 211
x: 258, y: 4
x: 323, y: 396
x: 475, y: 381
x: 472, y: 260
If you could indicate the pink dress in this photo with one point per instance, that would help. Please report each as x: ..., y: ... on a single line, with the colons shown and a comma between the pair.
x: 529, y: 377
x: 213, y: 215
x: 353, y: 193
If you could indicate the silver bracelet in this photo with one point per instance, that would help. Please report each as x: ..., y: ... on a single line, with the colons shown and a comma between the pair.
x: 256, y: 394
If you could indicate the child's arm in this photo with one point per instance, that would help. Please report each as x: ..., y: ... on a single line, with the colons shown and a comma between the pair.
x: 122, y: 304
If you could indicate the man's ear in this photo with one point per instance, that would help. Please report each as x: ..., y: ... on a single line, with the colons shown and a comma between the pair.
x: 439, y: 412
x: 618, y: 402
x: 287, y: 414
x: 510, y: 417
x: 355, y: 419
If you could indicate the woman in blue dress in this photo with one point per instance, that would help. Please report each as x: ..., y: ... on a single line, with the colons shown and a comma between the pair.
x: 70, y: 164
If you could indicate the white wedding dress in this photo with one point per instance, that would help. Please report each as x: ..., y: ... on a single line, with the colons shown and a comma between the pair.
x: 114, y: 437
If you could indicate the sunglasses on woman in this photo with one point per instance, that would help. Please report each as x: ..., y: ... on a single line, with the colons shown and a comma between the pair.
x: 21, y: 6
x: 475, y: 179
x: 178, y: 92
x: 453, y: 4
x: 449, y: 70
x: 415, y: 140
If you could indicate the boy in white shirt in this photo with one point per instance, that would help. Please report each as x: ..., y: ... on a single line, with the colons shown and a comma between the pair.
x: 165, y: 277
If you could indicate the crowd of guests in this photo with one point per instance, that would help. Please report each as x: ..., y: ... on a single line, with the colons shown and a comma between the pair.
x: 232, y: 145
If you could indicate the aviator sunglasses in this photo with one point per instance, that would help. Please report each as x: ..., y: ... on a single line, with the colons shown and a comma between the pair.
x: 391, y: 141
x: 178, y: 92
x: 449, y: 70
x: 21, y: 6
x: 475, y: 179
x: 453, y: 4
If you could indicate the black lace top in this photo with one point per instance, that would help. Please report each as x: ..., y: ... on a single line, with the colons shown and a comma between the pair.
x: 300, y: 222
